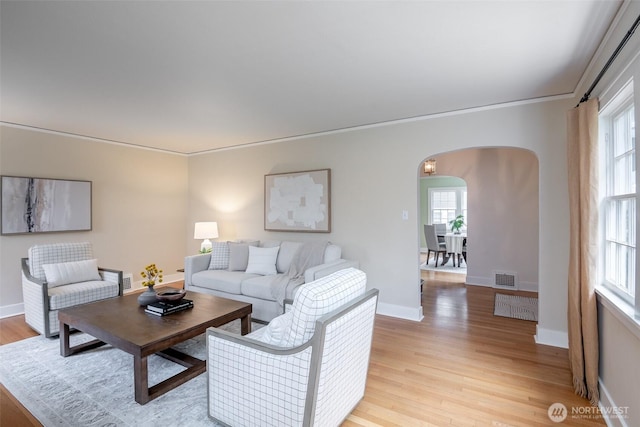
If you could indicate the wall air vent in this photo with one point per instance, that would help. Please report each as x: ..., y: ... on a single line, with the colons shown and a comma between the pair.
x: 127, y: 281
x: 505, y: 280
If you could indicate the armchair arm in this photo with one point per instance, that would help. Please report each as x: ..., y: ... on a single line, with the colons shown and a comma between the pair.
x: 35, y: 296
x: 27, y: 273
x: 322, y: 270
x: 193, y: 264
x: 114, y: 276
x: 243, y: 389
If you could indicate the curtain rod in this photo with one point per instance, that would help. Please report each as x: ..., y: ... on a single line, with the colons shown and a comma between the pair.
x: 615, y: 53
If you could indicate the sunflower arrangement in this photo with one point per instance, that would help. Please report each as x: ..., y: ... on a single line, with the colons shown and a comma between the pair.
x: 151, y: 274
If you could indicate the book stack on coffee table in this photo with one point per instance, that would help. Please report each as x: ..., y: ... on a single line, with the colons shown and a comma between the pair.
x: 162, y: 308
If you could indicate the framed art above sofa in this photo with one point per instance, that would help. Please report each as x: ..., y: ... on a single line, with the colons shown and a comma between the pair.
x: 298, y: 201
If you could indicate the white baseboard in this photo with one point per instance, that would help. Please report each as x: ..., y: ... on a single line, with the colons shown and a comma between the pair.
x: 11, y: 310
x: 488, y: 281
x: 400, y: 311
x: 551, y: 337
x: 478, y: 281
x: 527, y: 286
x: 605, y: 405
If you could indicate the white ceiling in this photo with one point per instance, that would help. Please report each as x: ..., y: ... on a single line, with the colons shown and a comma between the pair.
x: 194, y: 76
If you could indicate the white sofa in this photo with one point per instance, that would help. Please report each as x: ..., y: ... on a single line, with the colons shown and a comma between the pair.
x: 233, y: 270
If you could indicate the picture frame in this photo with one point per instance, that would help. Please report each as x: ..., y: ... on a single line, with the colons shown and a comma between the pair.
x: 298, y: 201
x: 44, y: 205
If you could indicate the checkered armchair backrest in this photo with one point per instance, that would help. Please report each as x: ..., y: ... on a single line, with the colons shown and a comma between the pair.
x: 322, y: 296
x: 55, y: 253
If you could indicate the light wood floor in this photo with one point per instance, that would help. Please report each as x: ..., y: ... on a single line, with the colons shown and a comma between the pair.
x: 460, y: 366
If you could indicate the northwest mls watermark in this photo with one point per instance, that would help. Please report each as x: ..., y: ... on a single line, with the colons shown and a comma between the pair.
x: 559, y: 413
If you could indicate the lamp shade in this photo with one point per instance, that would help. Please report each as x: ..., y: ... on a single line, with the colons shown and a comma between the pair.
x: 206, y: 230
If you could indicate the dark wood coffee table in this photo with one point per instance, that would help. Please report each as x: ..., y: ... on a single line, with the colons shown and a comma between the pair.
x: 122, y: 323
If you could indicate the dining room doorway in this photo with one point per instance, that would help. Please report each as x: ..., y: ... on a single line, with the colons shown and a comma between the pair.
x: 443, y: 205
x: 501, y: 212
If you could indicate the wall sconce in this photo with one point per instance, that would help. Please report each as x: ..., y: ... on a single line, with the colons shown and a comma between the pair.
x: 206, y: 231
x: 430, y: 167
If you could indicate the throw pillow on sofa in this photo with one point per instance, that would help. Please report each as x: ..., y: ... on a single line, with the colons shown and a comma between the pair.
x: 219, y: 256
x: 239, y: 255
x: 286, y: 254
x: 262, y: 260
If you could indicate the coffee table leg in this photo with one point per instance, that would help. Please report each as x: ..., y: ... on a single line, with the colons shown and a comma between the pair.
x: 64, y: 340
x: 245, y: 324
x: 141, y: 379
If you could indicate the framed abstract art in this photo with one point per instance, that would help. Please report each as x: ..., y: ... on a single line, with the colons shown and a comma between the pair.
x: 42, y: 205
x: 298, y: 201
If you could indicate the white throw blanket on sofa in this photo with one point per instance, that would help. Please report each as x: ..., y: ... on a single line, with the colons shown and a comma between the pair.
x: 308, y: 255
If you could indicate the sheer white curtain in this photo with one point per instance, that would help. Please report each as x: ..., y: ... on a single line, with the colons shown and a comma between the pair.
x: 582, y: 156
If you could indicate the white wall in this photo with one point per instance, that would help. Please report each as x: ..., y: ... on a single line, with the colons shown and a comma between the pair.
x: 139, y: 203
x: 375, y: 178
x: 619, y: 376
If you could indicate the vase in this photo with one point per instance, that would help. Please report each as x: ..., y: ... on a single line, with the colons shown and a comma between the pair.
x: 148, y: 296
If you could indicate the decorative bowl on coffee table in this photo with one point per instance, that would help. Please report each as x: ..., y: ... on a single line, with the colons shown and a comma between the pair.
x: 171, y: 294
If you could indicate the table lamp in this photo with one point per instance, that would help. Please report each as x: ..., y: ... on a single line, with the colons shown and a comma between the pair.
x: 206, y: 231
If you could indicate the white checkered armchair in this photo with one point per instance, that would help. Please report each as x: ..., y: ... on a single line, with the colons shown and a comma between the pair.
x: 61, y: 275
x: 308, y: 367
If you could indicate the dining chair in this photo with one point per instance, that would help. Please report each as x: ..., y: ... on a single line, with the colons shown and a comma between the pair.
x: 464, y: 251
x: 433, y: 245
x: 441, y: 230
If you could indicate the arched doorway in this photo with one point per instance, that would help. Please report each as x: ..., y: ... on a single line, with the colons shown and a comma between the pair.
x: 503, y: 223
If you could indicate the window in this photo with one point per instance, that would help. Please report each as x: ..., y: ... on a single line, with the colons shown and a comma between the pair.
x: 618, y: 188
x: 447, y: 203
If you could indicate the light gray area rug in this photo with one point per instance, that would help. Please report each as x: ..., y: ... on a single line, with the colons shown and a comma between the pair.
x: 516, y: 307
x: 447, y: 268
x: 95, y: 388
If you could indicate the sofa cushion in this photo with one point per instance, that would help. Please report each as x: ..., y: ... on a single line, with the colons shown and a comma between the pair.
x: 315, y: 299
x: 221, y: 280
x: 287, y: 251
x: 239, y: 255
x: 270, y: 243
x: 259, y: 287
x: 81, y: 293
x: 64, y: 273
x: 219, y: 256
x: 262, y: 260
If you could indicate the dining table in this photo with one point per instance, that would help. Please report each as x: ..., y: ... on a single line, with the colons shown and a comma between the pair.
x: 455, y: 242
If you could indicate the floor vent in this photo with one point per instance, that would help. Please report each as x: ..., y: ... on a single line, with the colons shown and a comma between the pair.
x: 505, y: 279
x: 127, y: 281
